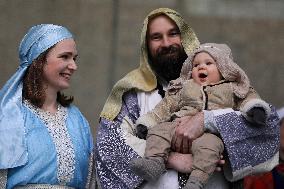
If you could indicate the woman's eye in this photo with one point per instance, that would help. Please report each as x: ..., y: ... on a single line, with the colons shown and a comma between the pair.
x: 64, y: 56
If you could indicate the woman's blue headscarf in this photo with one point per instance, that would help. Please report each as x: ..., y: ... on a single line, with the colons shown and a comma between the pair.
x: 13, y: 150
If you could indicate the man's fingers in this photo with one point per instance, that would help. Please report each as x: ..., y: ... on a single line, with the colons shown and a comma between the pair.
x: 185, y: 147
x: 173, y: 143
x: 189, y: 146
x: 218, y: 169
x: 221, y: 162
x: 177, y: 120
x: 178, y: 144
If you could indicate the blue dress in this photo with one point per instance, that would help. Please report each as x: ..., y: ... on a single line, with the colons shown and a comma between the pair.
x: 59, y: 148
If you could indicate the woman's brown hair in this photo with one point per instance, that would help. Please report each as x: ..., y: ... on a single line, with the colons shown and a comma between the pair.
x: 33, y: 88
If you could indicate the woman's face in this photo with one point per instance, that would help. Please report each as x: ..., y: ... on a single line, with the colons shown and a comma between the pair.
x: 60, y: 65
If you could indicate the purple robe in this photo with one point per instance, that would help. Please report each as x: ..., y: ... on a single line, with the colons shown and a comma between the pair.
x: 112, y: 154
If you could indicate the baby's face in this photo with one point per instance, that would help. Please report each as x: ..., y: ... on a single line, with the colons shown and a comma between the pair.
x: 204, y: 69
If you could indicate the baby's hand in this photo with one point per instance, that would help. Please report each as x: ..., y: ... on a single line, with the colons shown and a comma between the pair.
x: 141, y: 131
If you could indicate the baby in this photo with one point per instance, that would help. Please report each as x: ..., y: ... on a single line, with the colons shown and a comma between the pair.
x: 209, y: 80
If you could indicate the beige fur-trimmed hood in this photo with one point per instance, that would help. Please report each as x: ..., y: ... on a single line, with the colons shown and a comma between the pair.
x: 230, y: 71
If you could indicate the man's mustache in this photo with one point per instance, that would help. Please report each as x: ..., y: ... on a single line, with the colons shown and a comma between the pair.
x: 168, y: 50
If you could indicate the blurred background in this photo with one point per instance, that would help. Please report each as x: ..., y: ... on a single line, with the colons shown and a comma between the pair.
x: 107, y: 33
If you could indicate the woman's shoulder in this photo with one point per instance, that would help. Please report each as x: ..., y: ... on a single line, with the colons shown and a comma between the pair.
x: 75, y: 111
x: 76, y: 116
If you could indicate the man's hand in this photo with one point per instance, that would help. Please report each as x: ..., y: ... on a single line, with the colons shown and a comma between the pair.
x: 187, y: 130
x: 220, y: 164
x: 180, y: 162
x: 183, y: 162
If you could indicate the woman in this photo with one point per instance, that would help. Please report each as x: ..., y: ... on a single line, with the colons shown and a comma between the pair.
x: 45, y: 141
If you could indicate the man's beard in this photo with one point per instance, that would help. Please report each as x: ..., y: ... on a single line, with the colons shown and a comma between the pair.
x: 167, y: 61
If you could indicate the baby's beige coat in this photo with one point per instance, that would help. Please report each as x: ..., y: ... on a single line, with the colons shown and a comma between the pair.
x: 192, y: 98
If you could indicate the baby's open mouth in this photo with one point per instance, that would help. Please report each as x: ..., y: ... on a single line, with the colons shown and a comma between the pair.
x: 202, y: 75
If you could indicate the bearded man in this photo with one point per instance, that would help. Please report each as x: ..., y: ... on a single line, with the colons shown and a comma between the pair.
x: 166, y: 40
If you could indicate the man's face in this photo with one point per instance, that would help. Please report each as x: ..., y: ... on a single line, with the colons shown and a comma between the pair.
x: 164, y: 46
